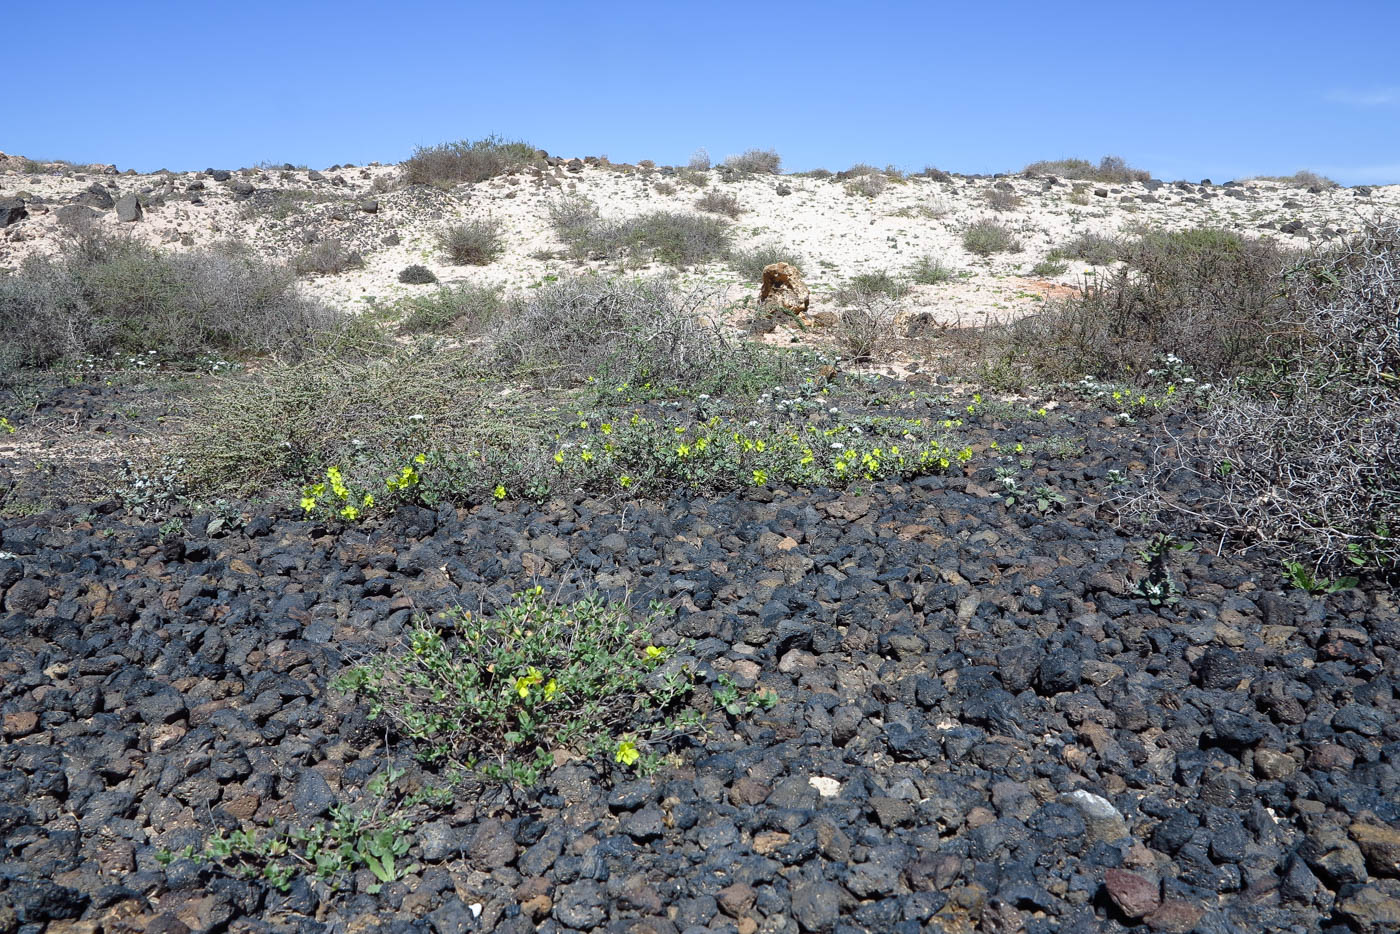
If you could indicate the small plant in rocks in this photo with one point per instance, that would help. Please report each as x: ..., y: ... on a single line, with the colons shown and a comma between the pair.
x: 500, y: 693
x: 1300, y: 576
x: 374, y: 838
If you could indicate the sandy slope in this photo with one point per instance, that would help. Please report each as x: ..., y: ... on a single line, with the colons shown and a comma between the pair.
x: 837, y: 234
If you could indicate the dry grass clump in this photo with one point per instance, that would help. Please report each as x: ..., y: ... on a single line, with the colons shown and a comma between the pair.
x: 699, y: 161
x: 750, y: 263
x: 474, y: 243
x: 104, y: 295
x: 986, y: 236
x: 663, y: 236
x: 327, y: 257
x: 866, y: 184
x: 1303, y: 455
x: 664, y: 188
x: 756, y: 162
x: 449, y: 164
x: 461, y: 308
x: 1110, y: 170
x: 719, y: 202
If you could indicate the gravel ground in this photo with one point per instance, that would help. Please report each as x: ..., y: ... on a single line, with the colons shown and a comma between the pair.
x: 979, y: 725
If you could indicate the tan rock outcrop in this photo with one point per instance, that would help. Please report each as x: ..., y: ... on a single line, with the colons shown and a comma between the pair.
x: 783, y: 290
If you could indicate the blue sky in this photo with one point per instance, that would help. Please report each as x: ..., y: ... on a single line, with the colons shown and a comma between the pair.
x: 1185, y: 90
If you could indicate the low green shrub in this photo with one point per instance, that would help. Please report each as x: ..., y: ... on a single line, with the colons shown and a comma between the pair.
x: 928, y: 270
x: 417, y: 274
x: 985, y: 237
x: 878, y: 282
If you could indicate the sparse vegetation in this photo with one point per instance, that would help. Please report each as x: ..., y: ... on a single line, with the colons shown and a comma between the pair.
x: 449, y: 164
x: 1110, y: 170
x: 1302, y: 178
x: 985, y: 237
x: 867, y: 184
x: 935, y: 173
x: 756, y: 162
x: 1093, y: 248
x: 473, y: 243
x: 664, y: 236
x: 699, y: 161
x: 104, y: 295
x: 1049, y: 268
x: 664, y: 188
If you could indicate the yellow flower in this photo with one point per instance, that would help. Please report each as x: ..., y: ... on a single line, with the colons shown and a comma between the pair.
x: 654, y: 651
x: 531, y: 678
x: 350, y: 513
x: 624, y: 482
x: 585, y: 455
x: 558, y: 457
x: 605, y: 428
x: 683, y: 450
x: 760, y: 477
x: 421, y: 459
x: 627, y: 752
x: 551, y: 689
x: 308, y: 503
x: 368, y: 500
x: 499, y: 492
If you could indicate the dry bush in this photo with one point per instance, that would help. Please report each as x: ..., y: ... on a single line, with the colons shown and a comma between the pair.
x: 448, y: 164
x: 617, y: 330
x: 1000, y: 200
x: 1208, y: 296
x: 106, y: 295
x: 865, y: 328
x: 719, y: 202
x: 756, y: 162
x: 1308, y: 459
x: 986, y: 236
x: 868, y: 184
x: 1096, y: 249
x: 935, y: 173
x: 474, y: 243
x: 699, y: 161
x: 327, y: 257
x: 1110, y: 170
x: 664, y: 188
x: 929, y: 270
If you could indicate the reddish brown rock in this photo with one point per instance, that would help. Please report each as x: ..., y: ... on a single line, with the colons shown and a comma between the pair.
x: 1134, y: 895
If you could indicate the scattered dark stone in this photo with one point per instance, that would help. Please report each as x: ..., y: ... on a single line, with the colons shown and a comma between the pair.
x: 129, y: 208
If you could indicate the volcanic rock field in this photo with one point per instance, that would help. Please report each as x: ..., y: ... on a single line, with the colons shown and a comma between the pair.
x: 977, y: 697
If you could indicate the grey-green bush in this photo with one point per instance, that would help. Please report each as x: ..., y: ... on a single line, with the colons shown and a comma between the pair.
x: 473, y: 243
x: 756, y: 162
x: 664, y: 236
x: 105, y: 296
x: 462, y: 307
x: 985, y: 237
x: 448, y: 164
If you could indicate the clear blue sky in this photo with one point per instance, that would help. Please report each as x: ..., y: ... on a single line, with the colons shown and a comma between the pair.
x: 1185, y: 90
